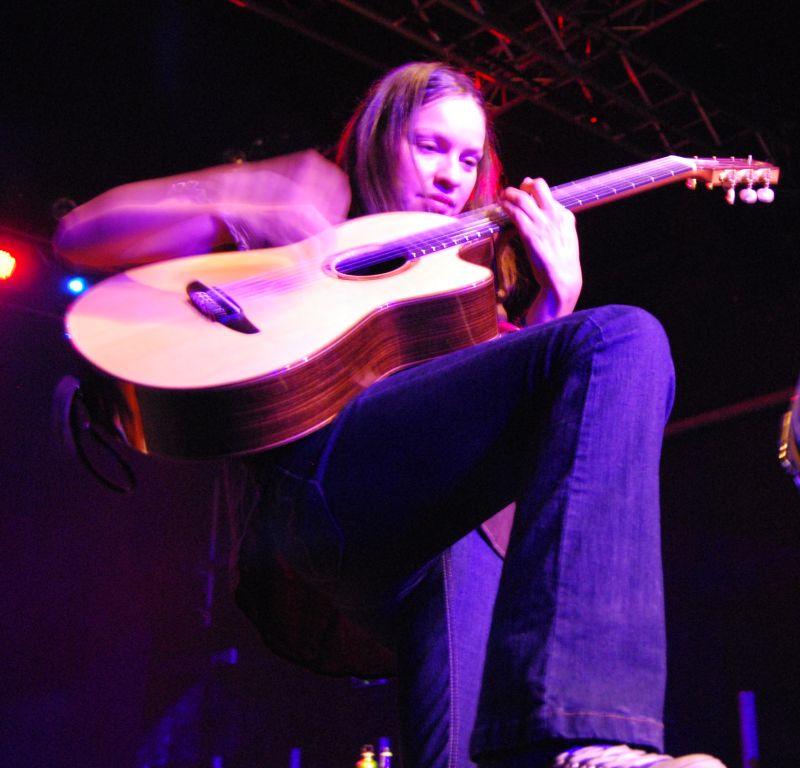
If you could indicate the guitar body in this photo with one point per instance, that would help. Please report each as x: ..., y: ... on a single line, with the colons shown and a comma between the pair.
x: 185, y: 386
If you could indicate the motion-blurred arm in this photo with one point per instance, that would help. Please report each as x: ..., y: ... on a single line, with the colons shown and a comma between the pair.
x: 248, y: 205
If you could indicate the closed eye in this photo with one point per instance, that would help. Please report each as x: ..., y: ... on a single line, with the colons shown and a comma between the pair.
x: 428, y: 145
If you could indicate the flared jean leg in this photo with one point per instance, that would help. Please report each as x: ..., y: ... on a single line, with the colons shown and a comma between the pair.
x: 577, y: 647
x: 443, y: 628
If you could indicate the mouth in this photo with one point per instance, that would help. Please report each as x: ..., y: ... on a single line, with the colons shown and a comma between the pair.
x: 439, y: 204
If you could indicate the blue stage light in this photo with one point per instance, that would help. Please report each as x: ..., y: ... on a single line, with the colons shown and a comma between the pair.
x: 76, y: 285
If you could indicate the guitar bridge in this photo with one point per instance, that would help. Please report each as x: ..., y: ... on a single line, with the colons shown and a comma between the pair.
x: 218, y: 307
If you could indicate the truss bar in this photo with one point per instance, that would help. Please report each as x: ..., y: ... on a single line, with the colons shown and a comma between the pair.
x: 507, y: 105
x: 667, y: 18
x: 528, y: 58
x: 565, y: 67
x: 762, y: 144
x: 627, y: 8
x: 432, y: 33
x: 548, y: 22
x: 448, y: 53
x: 634, y: 79
x: 295, y: 26
x: 437, y: 48
x: 645, y: 98
x: 705, y: 118
x: 620, y: 44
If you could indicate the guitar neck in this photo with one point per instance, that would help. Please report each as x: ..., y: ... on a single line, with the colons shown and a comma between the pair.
x: 623, y: 182
x: 483, y: 223
x: 603, y: 187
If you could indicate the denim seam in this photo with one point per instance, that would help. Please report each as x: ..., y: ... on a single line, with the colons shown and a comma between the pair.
x: 558, y: 609
x: 582, y: 431
x: 325, y: 455
x: 609, y: 716
x: 454, y: 725
x: 316, y: 483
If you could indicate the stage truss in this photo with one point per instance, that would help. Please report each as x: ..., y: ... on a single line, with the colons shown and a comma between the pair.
x: 584, y: 62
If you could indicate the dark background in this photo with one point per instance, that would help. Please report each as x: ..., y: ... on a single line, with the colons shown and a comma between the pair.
x: 105, y: 652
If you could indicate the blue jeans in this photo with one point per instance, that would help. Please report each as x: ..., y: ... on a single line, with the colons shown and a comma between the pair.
x: 566, y: 419
x: 443, y: 630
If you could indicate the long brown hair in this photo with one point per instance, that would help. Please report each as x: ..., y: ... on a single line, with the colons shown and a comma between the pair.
x: 368, y: 147
x: 368, y: 151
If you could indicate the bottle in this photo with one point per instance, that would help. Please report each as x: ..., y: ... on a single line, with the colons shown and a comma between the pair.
x: 367, y: 757
x: 385, y: 757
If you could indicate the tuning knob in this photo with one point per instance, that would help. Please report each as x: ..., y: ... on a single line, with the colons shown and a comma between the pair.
x: 748, y: 195
x: 766, y: 195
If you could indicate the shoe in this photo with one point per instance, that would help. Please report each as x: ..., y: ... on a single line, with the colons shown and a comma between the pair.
x: 622, y: 756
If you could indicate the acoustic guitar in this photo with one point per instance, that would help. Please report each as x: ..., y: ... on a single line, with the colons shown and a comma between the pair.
x: 229, y: 354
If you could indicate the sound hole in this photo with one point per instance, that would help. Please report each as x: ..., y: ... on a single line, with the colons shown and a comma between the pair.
x: 356, y: 269
x: 369, y: 263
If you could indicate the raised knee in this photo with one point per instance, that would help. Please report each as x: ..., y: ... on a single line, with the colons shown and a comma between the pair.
x: 638, y: 333
x: 641, y: 324
x: 645, y: 348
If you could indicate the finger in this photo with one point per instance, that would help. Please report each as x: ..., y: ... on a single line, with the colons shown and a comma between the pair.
x: 519, y: 203
x: 523, y: 211
x: 539, y: 190
x: 521, y: 206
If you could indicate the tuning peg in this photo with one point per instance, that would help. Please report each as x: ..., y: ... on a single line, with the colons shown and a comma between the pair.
x: 730, y: 195
x: 747, y: 195
x: 766, y: 195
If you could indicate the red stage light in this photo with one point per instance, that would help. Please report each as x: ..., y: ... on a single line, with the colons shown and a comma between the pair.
x: 7, y: 265
x: 19, y: 260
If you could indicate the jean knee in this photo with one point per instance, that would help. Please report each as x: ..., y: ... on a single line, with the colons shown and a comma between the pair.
x: 646, y: 345
x: 648, y: 334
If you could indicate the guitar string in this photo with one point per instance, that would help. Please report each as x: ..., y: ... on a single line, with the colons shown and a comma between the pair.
x: 471, y: 227
x: 466, y: 230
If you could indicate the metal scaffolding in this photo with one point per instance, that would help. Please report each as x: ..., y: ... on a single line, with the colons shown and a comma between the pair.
x: 584, y: 62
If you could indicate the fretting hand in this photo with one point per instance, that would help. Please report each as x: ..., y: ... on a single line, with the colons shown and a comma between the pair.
x: 547, y: 230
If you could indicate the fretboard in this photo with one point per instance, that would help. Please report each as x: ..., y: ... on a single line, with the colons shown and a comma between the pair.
x: 483, y: 223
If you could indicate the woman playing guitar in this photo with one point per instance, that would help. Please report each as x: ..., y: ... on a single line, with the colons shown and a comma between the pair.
x: 371, y: 529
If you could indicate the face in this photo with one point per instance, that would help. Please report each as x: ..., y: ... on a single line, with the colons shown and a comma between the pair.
x: 437, y: 167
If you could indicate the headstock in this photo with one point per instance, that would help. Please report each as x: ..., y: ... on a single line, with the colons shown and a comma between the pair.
x: 753, y: 178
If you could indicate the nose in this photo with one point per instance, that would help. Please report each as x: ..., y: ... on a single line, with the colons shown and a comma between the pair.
x: 449, y: 172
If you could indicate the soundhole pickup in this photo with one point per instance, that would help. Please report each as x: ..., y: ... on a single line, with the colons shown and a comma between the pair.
x: 218, y: 307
